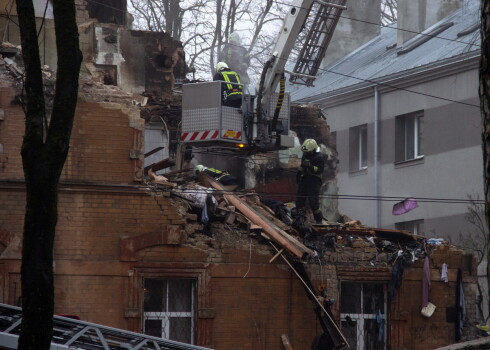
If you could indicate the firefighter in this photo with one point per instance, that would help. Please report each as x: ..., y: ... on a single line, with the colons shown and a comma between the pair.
x: 309, y: 179
x: 237, y: 56
x: 231, y: 92
x: 228, y: 181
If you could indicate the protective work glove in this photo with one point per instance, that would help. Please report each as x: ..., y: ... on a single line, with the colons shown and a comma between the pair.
x: 305, y: 164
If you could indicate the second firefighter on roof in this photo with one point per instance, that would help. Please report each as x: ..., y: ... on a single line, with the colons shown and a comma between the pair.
x: 309, y: 179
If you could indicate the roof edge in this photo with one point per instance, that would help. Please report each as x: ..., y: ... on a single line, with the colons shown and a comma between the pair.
x: 401, y: 80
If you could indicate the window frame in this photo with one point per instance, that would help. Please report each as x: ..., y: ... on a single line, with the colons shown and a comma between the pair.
x: 166, y: 315
x: 156, y: 128
x: 409, y: 130
x: 204, y: 317
x: 358, y: 148
x: 417, y: 227
x: 360, y: 318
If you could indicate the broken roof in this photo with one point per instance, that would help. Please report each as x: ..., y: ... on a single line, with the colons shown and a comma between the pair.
x: 453, y: 39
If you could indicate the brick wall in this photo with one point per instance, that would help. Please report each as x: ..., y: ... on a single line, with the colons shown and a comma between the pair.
x: 243, y: 300
x: 82, y: 13
x: 106, y: 144
x: 11, y: 133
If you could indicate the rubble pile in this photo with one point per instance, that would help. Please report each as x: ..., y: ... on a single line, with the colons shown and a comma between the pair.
x: 210, y: 214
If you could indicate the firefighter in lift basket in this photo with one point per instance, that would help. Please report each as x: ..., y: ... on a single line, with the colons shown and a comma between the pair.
x: 231, y: 90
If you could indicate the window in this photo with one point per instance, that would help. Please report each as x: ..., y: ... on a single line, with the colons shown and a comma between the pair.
x: 409, y: 137
x: 156, y: 142
x: 363, y: 315
x: 415, y: 226
x: 358, y: 148
x: 169, y: 308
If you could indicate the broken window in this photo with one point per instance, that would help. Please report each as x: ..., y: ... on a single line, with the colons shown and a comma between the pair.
x: 156, y: 141
x: 169, y: 308
x: 409, y: 137
x: 358, y: 148
x: 108, y: 11
x: 363, y: 315
x: 415, y: 226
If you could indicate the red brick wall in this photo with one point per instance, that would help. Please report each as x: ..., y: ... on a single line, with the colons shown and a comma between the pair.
x: 11, y: 133
x: 103, y: 136
x: 243, y: 301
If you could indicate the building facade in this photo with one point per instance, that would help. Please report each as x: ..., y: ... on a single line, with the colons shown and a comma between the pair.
x: 406, y: 120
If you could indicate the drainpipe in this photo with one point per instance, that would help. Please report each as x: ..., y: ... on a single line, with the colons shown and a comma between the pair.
x: 376, y: 160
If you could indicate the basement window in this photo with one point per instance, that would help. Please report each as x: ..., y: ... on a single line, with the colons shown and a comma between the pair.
x: 169, y: 308
x: 363, y: 315
x: 414, y: 226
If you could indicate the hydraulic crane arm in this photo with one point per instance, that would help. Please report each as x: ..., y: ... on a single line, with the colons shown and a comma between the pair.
x: 292, y: 26
x: 319, y: 33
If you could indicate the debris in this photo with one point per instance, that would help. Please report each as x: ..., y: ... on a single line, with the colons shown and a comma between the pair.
x: 285, y: 342
x: 159, y: 179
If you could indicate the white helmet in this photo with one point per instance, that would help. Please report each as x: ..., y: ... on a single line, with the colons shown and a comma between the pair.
x: 309, y: 145
x: 199, y: 168
x: 234, y: 38
x: 220, y: 66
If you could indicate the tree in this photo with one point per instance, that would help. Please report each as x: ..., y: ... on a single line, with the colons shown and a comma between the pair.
x: 44, y: 151
x: 388, y: 11
x: 484, y: 92
x: 477, y: 242
x: 206, y: 27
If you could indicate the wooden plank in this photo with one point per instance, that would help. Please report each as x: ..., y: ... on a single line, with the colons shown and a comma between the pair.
x: 286, y: 343
x: 153, y: 151
x: 285, y: 240
x: 163, y: 164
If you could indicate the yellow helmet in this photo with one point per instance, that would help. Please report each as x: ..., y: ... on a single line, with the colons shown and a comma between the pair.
x: 199, y: 168
x: 309, y: 145
x: 220, y: 66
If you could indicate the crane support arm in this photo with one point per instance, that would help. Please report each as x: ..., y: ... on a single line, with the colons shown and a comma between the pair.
x: 292, y: 26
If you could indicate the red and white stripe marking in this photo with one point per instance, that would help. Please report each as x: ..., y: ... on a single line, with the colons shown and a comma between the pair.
x: 200, y: 135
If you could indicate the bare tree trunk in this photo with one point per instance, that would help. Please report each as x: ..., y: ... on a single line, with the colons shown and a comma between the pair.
x: 43, y: 154
x: 484, y: 92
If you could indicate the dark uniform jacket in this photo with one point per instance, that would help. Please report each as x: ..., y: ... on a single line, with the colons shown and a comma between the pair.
x: 222, y: 177
x: 311, y: 169
x: 231, y: 93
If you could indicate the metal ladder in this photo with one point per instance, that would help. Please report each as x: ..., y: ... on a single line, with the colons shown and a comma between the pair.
x: 72, y: 334
x: 317, y: 40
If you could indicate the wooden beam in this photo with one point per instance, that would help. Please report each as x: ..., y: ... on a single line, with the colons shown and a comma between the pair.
x: 153, y: 151
x: 163, y: 164
x: 282, y: 238
x: 286, y: 343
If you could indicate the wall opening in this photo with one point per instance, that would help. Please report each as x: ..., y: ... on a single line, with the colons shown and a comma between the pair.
x: 108, y: 11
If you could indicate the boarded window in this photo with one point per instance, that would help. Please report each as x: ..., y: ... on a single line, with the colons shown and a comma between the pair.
x: 169, y: 308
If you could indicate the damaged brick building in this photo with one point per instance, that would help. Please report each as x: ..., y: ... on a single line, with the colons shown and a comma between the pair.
x: 134, y: 255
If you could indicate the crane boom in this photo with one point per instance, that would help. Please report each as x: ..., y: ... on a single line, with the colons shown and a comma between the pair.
x: 292, y: 26
x: 317, y: 38
x: 262, y: 123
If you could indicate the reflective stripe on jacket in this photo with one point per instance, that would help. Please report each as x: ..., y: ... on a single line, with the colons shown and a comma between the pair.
x: 231, y: 77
